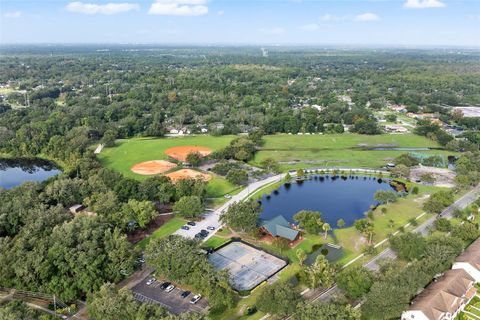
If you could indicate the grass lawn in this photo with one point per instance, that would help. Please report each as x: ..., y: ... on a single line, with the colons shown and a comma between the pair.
x: 126, y: 153
x: 215, y: 242
x: 331, y: 150
x: 167, y: 229
x: 400, y: 212
x: 218, y: 187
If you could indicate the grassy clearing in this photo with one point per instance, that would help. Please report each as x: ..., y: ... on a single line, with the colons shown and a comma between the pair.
x: 218, y: 187
x: 129, y: 152
x: 167, y: 229
x: 215, y: 242
x: 338, y: 149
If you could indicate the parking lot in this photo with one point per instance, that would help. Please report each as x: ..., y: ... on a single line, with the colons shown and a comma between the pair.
x: 172, y: 301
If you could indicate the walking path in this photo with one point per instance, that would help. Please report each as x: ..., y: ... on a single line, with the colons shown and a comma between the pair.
x: 388, y: 253
x: 212, y: 218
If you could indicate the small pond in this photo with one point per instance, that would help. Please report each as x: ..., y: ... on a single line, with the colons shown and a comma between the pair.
x: 335, y: 197
x: 14, y: 172
x: 332, y: 252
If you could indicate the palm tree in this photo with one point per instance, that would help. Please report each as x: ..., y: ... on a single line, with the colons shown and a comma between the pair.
x: 340, y: 223
x: 301, y: 255
x: 326, y: 228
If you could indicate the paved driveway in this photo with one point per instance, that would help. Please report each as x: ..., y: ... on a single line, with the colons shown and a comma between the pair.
x: 170, y: 300
x: 212, y: 218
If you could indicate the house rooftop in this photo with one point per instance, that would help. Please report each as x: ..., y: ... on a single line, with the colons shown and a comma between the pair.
x: 444, y: 295
x: 471, y: 255
x: 279, y: 227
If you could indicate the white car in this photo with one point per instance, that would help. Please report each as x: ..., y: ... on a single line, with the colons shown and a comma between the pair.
x: 150, y: 281
x: 195, y: 299
x: 170, y: 288
x: 227, y: 196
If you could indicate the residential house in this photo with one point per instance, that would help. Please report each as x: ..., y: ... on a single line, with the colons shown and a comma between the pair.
x: 444, y: 298
x: 469, y: 260
x: 81, y: 210
x: 395, y: 128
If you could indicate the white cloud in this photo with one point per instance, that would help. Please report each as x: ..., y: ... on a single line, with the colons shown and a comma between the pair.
x: 309, y: 27
x: 423, y: 4
x: 274, y: 30
x: 13, y: 14
x: 329, y: 17
x: 179, y: 7
x: 108, y: 8
x: 368, y: 16
x: 221, y: 13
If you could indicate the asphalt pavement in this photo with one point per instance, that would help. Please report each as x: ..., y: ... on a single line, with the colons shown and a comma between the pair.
x: 423, y: 229
x: 212, y: 218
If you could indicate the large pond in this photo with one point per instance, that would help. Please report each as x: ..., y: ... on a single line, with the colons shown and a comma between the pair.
x: 348, y: 198
x: 14, y: 172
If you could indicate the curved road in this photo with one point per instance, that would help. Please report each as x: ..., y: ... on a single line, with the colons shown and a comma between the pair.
x: 212, y: 218
x: 423, y: 229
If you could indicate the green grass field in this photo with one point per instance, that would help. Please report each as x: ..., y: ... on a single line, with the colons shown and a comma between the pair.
x: 215, y: 242
x: 167, y: 229
x: 337, y: 150
x: 129, y: 152
x: 126, y: 153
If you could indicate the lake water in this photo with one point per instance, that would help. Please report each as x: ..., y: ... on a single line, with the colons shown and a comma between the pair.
x: 14, y: 172
x: 335, y: 197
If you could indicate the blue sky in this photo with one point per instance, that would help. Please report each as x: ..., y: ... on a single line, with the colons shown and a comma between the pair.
x: 314, y: 22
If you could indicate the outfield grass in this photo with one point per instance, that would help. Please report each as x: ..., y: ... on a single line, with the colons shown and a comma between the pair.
x: 126, y: 153
x: 167, y: 229
x: 332, y: 150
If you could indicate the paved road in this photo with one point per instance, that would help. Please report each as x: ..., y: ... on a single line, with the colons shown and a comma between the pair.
x: 212, y: 218
x: 423, y: 229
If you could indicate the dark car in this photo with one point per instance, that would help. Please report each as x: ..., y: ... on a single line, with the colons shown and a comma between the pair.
x: 165, y: 285
x: 191, y: 223
x: 203, y: 231
x: 185, y: 228
x: 199, y: 236
x: 185, y: 294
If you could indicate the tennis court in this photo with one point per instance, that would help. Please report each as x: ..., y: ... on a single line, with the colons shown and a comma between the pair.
x: 247, y: 266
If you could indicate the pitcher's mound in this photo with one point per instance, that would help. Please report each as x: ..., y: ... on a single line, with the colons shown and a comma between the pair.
x: 188, y: 174
x: 152, y: 167
x: 181, y: 152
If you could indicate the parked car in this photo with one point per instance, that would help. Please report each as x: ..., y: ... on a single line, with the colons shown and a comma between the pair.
x: 185, y: 294
x: 227, y: 196
x: 211, y: 228
x: 185, y: 228
x: 170, y: 288
x: 150, y: 281
x: 195, y: 299
x: 199, y: 236
x: 191, y: 223
x: 165, y: 285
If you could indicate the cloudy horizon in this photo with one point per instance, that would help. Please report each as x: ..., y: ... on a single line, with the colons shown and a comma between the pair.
x: 284, y: 22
